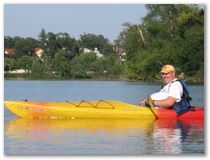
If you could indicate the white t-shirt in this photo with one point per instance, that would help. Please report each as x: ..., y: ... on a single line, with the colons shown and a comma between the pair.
x: 173, y: 89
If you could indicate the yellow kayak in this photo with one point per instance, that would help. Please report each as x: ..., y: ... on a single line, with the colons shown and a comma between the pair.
x: 82, y: 109
x: 93, y: 109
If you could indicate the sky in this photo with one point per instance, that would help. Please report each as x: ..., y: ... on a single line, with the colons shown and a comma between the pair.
x: 27, y: 20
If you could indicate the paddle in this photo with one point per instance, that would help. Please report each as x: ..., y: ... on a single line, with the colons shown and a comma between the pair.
x: 149, y: 104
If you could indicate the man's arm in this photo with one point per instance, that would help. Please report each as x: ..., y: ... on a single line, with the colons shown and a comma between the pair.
x: 166, y: 103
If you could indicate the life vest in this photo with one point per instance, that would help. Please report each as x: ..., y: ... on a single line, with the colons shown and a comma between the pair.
x: 184, y: 105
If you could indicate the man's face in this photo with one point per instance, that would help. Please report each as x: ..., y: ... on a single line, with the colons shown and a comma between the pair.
x: 168, y: 77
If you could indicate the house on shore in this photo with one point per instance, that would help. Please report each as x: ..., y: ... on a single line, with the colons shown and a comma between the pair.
x: 39, y: 52
x: 96, y: 51
x: 9, y: 51
x: 120, y: 52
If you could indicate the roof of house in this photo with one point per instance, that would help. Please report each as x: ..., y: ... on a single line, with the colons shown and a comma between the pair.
x: 8, y: 50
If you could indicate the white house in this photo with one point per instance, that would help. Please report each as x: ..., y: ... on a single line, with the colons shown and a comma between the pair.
x: 87, y: 50
x: 98, y: 54
x: 96, y: 51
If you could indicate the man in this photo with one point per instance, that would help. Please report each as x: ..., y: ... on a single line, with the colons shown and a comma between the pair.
x: 171, y: 95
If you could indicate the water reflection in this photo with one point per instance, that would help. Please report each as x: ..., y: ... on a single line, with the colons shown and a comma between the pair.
x: 170, y: 136
x: 100, y: 136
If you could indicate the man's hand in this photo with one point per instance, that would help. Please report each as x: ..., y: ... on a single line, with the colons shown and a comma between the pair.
x: 143, y: 102
x: 149, y: 102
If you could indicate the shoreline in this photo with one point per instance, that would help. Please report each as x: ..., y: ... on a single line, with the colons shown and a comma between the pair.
x: 96, y: 79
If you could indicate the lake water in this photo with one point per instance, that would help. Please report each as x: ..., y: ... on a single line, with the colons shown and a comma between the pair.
x: 97, y: 137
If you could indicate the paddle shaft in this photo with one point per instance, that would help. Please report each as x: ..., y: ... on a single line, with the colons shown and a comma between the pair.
x: 150, y: 108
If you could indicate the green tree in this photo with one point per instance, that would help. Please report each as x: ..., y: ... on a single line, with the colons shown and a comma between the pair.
x: 61, y: 65
x: 8, y: 64
x: 9, y: 42
x: 191, y: 56
x: 82, y: 64
x: 24, y: 47
x: 169, y: 33
x: 64, y: 41
x: 39, y: 70
x: 42, y: 37
x: 25, y: 62
x: 93, y: 41
x: 163, y: 18
x: 189, y: 16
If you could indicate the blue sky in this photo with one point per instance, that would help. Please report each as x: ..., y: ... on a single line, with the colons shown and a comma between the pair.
x: 27, y: 20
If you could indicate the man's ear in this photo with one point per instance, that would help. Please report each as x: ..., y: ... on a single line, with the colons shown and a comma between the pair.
x: 174, y: 74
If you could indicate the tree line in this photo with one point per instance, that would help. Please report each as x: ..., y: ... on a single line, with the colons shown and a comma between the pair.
x: 63, y: 56
x: 169, y: 33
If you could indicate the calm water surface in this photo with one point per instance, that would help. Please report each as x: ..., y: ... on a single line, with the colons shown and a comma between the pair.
x: 91, y: 136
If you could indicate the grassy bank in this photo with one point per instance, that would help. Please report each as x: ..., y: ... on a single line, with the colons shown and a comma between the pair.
x: 23, y: 76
